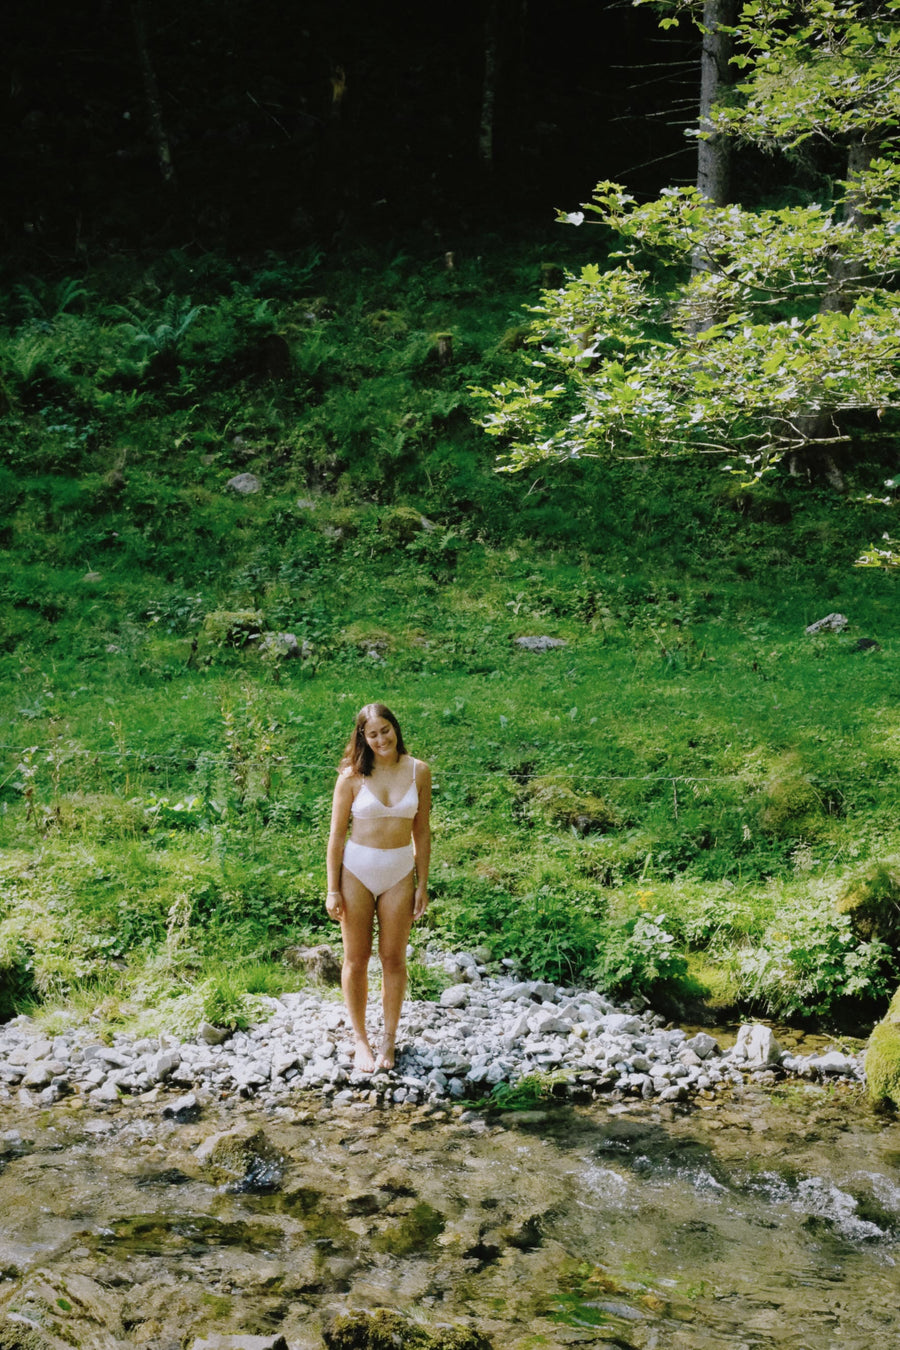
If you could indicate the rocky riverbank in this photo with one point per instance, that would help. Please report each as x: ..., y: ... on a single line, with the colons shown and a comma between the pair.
x: 485, y: 1031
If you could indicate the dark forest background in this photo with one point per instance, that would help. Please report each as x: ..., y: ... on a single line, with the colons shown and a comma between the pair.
x: 286, y: 124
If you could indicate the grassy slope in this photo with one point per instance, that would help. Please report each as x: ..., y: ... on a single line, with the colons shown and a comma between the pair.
x: 165, y: 806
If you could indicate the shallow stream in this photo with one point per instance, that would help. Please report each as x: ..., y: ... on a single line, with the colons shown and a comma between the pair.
x: 769, y: 1218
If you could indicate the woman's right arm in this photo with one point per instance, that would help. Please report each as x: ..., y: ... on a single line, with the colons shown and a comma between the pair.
x: 340, y: 819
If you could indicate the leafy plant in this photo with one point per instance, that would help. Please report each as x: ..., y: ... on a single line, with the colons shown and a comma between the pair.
x: 527, y: 1092
x: 810, y: 959
x: 637, y: 955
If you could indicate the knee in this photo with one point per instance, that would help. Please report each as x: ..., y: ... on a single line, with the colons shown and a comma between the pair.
x: 393, y: 963
x: 356, y: 965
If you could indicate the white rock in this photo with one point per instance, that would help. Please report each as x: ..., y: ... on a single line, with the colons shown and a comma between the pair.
x: 756, y: 1047
x: 703, y: 1045
x: 457, y: 996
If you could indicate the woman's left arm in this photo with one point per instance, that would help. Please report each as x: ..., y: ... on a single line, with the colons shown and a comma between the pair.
x: 422, y: 840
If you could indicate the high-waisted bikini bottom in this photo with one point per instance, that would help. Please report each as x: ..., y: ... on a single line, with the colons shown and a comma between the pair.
x: 378, y: 868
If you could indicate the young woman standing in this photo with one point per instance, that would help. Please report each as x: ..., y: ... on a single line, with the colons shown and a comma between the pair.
x: 383, y: 795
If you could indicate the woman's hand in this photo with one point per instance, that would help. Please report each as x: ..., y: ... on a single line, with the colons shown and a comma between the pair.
x: 420, y: 902
x: 334, y: 905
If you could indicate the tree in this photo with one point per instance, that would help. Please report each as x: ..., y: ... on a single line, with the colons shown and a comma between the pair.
x: 792, y: 322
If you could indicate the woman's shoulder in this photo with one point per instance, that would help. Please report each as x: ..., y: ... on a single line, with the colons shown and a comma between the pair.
x: 348, y: 780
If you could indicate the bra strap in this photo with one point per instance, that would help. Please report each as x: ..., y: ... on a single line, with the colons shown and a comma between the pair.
x: 415, y: 766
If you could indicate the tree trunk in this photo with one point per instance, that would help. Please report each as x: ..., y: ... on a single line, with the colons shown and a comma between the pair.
x: 489, y: 87
x: 151, y: 95
x: 817, y: 460
x: 716, y: 73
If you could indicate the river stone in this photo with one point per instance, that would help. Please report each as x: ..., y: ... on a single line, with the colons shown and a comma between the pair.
x: 211, y: 1035
x: 39, y: 1075
x: 702, y: 1045
x: 832, y: 1062
x: 162, y: 1065
x: 183, y: 1109
x: 382, y: 1329
x: 756, y: 1047
x: 244, y: 1156
x: 457, y: 996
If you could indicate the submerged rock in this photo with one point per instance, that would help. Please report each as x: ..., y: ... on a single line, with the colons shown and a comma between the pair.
x: 244, y: 1158
x: 385, y: 1330
x: 241, y: 1343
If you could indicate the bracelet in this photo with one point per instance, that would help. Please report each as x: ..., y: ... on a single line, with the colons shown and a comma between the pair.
x: 332, y: 893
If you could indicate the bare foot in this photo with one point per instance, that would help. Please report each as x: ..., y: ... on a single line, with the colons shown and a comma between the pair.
x: 386, y: 1053
x: 363, y: 1059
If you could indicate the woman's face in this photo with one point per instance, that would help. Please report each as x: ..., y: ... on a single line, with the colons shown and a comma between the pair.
x: 381, y: 738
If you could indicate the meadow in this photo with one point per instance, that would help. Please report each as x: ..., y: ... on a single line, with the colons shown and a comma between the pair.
x: 692, y: 800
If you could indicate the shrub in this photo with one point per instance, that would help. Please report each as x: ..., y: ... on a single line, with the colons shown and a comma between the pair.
x: 636, y: 955
x: 810, y: 958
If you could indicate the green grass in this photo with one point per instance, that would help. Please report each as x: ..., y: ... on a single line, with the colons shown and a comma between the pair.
x: 681, y: 779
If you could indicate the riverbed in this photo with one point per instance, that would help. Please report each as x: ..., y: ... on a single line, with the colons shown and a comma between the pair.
x: 755, y: 1217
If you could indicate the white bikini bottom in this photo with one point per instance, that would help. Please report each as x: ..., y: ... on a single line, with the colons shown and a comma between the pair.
x: 378, y: 868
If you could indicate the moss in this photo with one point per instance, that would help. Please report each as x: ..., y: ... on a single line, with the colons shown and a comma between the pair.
x: 791, y: 808
x: 883, y: 1057
x: 401, y: 524
x: 233, y: 628
x: 385, y: 1330
x: 557, y: 802
x: 873, y: 902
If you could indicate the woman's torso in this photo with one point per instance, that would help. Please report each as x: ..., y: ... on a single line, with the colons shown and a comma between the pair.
x: 384, y: 806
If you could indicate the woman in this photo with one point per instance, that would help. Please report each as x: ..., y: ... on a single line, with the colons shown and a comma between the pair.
x: 384, y: 795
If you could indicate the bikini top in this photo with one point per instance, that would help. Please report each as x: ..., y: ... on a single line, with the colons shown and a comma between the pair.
x: 366, y: 805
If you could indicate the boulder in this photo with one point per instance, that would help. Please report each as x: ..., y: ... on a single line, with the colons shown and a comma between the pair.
x: 233, y: 628
x: 872, y: 900
x: 756, y: 1047
x: 244, y: 1158
x: 320, y: 963
x: 457, y: 996
x: 284, y: 647
x: 244, y: 483
x: 211, y: 1035
x: 557, y: 802
x: 832, y: 623
x: 882, y: 1062
x: 540, y: 644
x: 401, y: 524
x: 703, y: 1045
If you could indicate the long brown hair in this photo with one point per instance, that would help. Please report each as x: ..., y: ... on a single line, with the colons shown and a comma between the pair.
x: 358, y: 755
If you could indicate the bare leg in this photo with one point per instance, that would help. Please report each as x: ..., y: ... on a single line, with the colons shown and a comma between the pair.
x: 356, y: 930
x: 395, y: 909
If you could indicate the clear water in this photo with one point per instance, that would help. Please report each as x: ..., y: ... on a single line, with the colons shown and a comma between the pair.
x: 770, y: 1220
